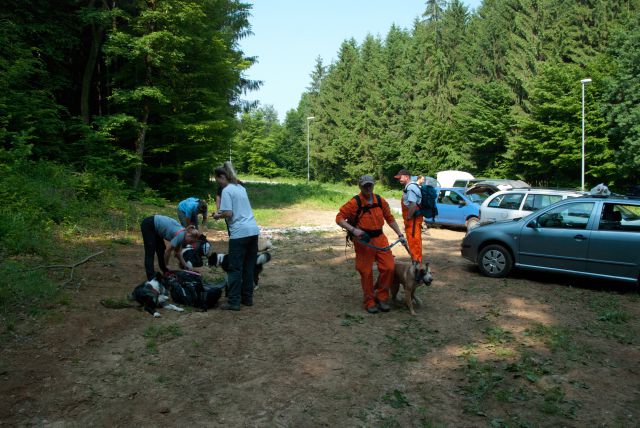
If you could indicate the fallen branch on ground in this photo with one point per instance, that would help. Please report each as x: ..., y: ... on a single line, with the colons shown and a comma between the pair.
x: 71, y: 266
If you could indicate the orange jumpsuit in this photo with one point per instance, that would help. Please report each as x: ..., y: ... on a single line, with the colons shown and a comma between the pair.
x: 365, y: 256
x: 413, y: 232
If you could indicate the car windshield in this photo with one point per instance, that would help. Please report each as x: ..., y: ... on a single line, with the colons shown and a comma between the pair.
x: 478, y: 198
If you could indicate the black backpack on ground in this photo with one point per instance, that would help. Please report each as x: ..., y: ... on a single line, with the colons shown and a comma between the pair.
x: 188, y: 288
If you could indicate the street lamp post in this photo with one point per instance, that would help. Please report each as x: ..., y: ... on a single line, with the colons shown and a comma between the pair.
x: 309, y: 119
x: 583, y: 82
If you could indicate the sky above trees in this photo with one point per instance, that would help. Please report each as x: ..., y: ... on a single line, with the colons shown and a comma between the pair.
x: 289, y: 35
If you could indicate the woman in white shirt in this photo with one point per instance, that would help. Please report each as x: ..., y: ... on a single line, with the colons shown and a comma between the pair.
x: 235, y: 208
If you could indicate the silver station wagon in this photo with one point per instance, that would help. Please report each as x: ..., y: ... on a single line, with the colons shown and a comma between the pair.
x: 589, y: 236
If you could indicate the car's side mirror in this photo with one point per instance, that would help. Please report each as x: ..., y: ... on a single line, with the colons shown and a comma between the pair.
x: 462, y: 203
x: 533, y: 224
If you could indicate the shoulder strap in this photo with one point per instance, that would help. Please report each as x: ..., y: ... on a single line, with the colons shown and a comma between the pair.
x: 359, y: 212
x: 378, y: 204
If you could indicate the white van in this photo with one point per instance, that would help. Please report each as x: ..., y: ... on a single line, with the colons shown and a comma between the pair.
x: 517, y: 203
x: 447, y: 178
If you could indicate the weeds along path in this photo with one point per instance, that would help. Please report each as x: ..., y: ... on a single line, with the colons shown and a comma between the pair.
x: 528, y: 350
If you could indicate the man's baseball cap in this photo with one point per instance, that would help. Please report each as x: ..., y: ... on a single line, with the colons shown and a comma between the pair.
x: 365, y: 179
x: 402, y: 172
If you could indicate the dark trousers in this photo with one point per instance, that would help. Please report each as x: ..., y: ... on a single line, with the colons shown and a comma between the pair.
x: 153, y: 244
x: 243, y: 253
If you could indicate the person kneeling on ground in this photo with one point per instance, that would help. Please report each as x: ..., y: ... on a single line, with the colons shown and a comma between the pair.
x: 155, y: 230
x: 189, y: 209
x: 235, y: 208
x: 363, y: 216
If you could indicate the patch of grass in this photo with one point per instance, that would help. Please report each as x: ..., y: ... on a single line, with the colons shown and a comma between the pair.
x: 482, y: 380
x: 555, y: 338
x: 504, y: 352
x: 408, y: 343
x: 163, y: 332
x: 554, y: 403
x: 614, y: 317
x: 349, y: 319
x: 24, y: 290
x: 64, y: 299
x: 512, y: 395
x: 611, y: 320
x: 396, y: 399
x: 497, y: 335
x: 530, y: 367
x: 389, y: 421
x: 152, y: 346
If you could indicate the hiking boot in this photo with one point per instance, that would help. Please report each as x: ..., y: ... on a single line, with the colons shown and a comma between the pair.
x: 247, y: 303
x: 373, y: 310
x: 384, y: 306
x: 228, y: 307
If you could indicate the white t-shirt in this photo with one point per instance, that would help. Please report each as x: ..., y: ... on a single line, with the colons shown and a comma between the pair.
x: 241, y: 223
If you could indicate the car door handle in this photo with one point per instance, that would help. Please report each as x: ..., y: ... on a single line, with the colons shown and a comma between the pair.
x: 580, y: 237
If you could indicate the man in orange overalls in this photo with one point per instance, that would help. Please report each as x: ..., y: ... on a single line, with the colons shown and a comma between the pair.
x: 412, y: 219
x: 363, y: 214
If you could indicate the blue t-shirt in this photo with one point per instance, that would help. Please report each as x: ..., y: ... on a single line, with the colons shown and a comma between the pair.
x: 241, y: 223
x: 190, y: 208
x: 169, y: 229
x: 412, y: 194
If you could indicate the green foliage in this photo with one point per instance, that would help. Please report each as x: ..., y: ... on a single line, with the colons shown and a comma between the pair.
x: 396, y: 399
x: 23, y: 289
x: 143, y: 91
x: 45, y: 207
x: 623, y: 96
x: 495, y: 92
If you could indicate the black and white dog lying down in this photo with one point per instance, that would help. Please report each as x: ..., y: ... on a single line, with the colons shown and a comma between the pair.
x: 154, y: 294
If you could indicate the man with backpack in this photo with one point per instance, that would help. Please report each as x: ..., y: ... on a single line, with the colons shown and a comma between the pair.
x: 411, y: 199
x: 363, y: 217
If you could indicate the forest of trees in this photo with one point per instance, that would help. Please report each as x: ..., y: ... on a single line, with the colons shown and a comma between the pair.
x: 495, y: 92
x: 143, y: 91
x: 151, y: 93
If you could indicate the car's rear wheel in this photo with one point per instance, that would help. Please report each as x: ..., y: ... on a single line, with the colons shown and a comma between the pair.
x: 495, y: 261
x: 472, y: 222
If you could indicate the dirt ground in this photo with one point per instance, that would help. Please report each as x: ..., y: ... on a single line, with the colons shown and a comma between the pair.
x: 530, y: 350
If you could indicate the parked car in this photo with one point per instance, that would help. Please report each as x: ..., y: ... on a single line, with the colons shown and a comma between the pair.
x: 457, y: 208
x: 517, y: 203
x: 588, y: 236
x: 496, y: 184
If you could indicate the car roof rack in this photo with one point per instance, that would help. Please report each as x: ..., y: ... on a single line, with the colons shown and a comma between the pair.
x: 614, y: 196
x: 546, y: 188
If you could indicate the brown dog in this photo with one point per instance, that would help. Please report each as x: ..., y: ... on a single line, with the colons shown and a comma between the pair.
x: 410, y: 275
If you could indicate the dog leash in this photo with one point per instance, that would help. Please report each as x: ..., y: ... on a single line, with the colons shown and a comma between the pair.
x: 387, y: 248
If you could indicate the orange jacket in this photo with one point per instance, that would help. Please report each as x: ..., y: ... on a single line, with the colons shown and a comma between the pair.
x: 372, y: 220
